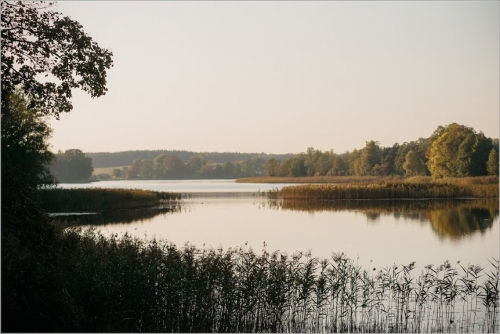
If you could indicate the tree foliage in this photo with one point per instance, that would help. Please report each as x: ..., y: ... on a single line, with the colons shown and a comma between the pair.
x: 413, y: 164
x: 72, y: 166
x: 454, y: 150
x: 458, y: 152
x: 25, y: 149
x: 492, y: 164
x: 39, y: 41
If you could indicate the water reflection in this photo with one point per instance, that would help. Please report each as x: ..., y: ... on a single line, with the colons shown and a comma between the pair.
x: 118, y: 216
x: 448, y: 218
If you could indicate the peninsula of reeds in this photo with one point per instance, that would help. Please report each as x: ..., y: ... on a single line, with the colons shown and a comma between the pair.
x: 97, y: 199
x: 416, y: 188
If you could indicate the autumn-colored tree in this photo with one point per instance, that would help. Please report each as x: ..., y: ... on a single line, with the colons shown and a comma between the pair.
x: 134, y: 169
x: 174, y: 167
x: 459, y: 152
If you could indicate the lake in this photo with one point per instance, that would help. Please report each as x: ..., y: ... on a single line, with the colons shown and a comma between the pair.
x: 377, y: 233
x: 180, y: 186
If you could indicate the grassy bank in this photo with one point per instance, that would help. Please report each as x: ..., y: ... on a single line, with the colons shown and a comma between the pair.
x: 96, y: 199
x: 131, y: 285
x: 410, y: 189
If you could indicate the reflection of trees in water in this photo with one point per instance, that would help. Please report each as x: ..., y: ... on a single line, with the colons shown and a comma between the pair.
x: 455, y: 223
x: 118, y: 216
x: 448, y: 218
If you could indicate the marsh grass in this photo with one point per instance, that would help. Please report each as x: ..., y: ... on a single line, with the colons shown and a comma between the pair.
x: 98, y: 199
x: 387, y: 190
x: 371, y: 179
x: 315, y: 179
x: 133, y: 285
x: 126, y: 216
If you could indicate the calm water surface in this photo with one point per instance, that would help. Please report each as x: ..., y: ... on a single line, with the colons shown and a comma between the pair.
x: 379, y: 233
x: 180, y: 186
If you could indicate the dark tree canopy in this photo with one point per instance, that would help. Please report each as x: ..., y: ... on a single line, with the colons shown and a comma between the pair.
x: 37, y: 42
x: 72, y: 166
x: 25, y: 150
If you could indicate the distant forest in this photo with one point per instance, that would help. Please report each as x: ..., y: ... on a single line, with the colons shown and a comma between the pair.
x: 118, y: 159
x: 452, y: 151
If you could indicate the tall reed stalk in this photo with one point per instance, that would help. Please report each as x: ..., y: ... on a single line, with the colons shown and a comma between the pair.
x: 136, y: 285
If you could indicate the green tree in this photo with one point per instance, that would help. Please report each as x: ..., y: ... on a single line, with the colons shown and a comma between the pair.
x: 37, y: 40
x: 339, y: 166
x: 324, y: 163
x: 72, y: 166
x: 492, y: 164
x: 459, y: 151
x: 25, y: 150
x: 370, y: 156
x: 146, y: 171
x: 45, y: 56
x: 298, y: 166
x: 272, y: 167
x: 310, y: 159
x: 195, y: 163
x: 413, y: 164
x: 284, y: 169
x: 480, y: 155
x: 117, y: 173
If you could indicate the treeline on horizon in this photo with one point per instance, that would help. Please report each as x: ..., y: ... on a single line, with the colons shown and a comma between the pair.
x: 124, y: 158
x: 451, y: 151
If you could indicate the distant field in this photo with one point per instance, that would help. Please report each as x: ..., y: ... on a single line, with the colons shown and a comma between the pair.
x: 104, y: 170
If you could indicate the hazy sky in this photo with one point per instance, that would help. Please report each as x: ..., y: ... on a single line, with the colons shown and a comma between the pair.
x: 279, y: 77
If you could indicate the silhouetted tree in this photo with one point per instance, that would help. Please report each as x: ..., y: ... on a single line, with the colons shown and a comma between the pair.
x: 37, y: 40
x: 25, y: 149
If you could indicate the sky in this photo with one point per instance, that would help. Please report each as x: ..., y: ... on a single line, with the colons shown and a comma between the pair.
x: 279, y: 77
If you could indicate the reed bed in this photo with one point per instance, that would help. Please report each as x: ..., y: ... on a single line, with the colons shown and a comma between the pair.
x: 134, y: 285
x: 386, y: 190
x: 97, y: 199
x: 117, y: 216
x: 372, y: 179
x: 315, y: 179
